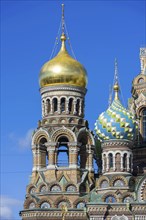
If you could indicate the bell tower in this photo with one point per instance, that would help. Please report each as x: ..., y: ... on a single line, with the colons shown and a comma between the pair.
x: 62, y: 145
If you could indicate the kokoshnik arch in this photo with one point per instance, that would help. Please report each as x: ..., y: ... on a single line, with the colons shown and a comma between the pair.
x: 63, y: 182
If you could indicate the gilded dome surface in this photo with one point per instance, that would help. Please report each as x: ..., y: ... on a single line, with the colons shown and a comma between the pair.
x: 116, y: 123
x: 63, y: 70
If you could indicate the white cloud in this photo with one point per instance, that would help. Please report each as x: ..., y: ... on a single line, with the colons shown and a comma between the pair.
x: 22, y: 142
x: 7, y: 205
x: 25, y: 142
x: 5, y: 213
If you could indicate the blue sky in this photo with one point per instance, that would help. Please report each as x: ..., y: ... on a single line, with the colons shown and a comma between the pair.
x: 99, y: 31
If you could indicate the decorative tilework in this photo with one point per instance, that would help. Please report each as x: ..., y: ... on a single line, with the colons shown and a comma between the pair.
x: 116, y: 123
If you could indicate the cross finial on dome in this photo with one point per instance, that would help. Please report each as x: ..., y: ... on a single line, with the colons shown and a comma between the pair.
x: 62, y: 18
x: 116, y: 85
x: 63, y: 37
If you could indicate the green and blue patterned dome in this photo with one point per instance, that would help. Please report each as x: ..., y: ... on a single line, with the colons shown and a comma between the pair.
x: 116, y: 122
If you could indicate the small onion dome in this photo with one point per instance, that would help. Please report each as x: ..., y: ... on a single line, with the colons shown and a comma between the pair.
x: 63, y: 70
x: 116, y: 122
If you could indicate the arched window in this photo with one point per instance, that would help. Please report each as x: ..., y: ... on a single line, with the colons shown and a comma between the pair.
x: 63, y: 152
x: 125, y: 161
x: 96, y: 167
x: 63, y: 203
x: 42, y: 141
x: 110, y: 199
x: 104, y: 184
x: 70, y: 107
x: 128, y: 199
x: 55, y: 188
x: 45, y: 205
x: 82, y: 107
x: 141, y: 80
x: 48, y: 105
x: 62, y: 104
x: 80, y: 205
x: 32, y: 205
x: 118, y: 183
x: 32, y: 190
x: 71, y: 188
x: 44, y: 156
x: 118, y: 161
x: 143, y: 118
x: 43, y: 189
x: 77, y: 106
x: 82, y: 157
x: 55, y: 104
x: 110, y: 160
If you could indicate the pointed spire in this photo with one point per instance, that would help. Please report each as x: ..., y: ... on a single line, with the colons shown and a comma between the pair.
x: 116, y: 85
x: 62, y: 23
x: 63, y: 37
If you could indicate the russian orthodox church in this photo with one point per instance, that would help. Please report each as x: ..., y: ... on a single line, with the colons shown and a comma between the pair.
x: 63, y: 183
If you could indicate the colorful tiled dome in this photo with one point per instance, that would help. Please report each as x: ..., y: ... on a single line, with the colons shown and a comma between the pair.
x: 116, y: 122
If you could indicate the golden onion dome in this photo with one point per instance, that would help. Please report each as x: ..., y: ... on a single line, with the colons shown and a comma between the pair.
x: 63, y: 70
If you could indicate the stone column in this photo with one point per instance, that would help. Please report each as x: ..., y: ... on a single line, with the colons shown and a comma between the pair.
x: 51, y: 106
x: 107, y: 163
x: 43, y: 108
x: 103, y: 163
x: 34, y: 158
x: 59, y: 107
x: 67, y: 103
x: 90, y: 165
x: 51, y: 147
x: 121, y: 162
x: 73, y: 155
x: 128, y: 163
x: 80, y: 108
x: 42, y: 156
x: 114, y: 162
x: 46, y: 107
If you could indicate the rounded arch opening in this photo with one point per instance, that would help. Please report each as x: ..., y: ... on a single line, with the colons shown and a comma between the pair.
x: 63, y: 152
x: 110, y: 157
x: 70, y: 106
x: 43, y: 161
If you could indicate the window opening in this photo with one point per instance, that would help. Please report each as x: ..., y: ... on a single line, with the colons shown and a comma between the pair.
x: 80, y: 205
x: 55, y: 188
x: 124, y: 160
x: 78, y: 106
x: 110, y: 160
x: 55, y: 104
x: 110, y: 199
x: 62, y: 104
x: 141, y: 80
x: 44, y: 154
x: 96, y: 168
x: 32, y: 205
x: 63, y: 153
x: 104, y: 184
x: 45, y: 205
x: 71, y: 105
x: 48, y: 106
